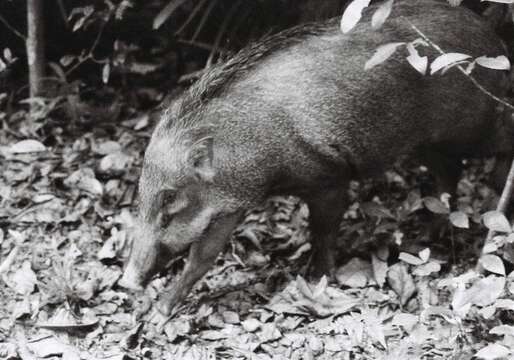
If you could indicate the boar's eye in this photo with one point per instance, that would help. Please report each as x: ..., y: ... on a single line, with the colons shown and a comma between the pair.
x: 170, y: 204
x: 168, y: 197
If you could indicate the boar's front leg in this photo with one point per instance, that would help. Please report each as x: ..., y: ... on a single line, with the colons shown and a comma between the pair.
x: 202, y: 255
x: 326, y: 210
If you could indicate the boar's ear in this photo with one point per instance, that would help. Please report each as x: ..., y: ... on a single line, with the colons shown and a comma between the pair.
x: 201, y: 159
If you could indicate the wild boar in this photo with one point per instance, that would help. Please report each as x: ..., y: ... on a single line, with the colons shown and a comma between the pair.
x: 296, y: 113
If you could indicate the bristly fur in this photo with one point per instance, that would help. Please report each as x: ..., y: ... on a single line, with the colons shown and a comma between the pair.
x: 217, y: 78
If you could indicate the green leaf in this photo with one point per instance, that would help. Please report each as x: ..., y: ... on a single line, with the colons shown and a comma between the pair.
x: 419, y: 63
x: 373, y: 209
x: 496, y: 221
x: 381, y: 15
x: 459, y: 219
x: 435, y: 205
x: 424, y: 254
x: 410, y: 259
x: 497, y: 63
x: 353, y: 14
x: 445, y: 60
x: 493, y: 264
x: 166, y: 12
x: 382, y: 53
x: 427, y: 268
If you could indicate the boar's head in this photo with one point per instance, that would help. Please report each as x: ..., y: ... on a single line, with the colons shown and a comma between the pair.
x: 178, y: 200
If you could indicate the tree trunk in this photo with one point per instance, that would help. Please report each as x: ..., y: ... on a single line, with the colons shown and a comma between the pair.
x: 35, y: 46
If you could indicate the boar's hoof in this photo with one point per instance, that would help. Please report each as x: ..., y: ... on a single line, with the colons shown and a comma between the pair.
x: 168, y: 301
x: 322, y: 265
x: 130, y: 282
x: 315, y: 274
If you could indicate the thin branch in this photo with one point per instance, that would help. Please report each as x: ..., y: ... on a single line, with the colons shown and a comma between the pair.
x: 90, y: 55
x: 204, y: 19
x: 221, y: 32
x: 63, y: 12
x: 461, y: 69
x: 12, y: 29
x: 191, y: 17
x: 200, y: 45
x: 505, y: 197
x: 191, y: 76
x: 509, y: 182
x: 507, y: 190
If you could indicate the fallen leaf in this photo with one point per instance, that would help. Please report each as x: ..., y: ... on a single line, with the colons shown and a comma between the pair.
x: 64, y: 320
x: 230, y: 317
x: 27, y: 146
x: 405, y: 320
x: 84, y: 179
x: 251, y: 325
x: 106, y: 147
x: 493, y: 351
x: 24, y: 280
x: 356, y: 273
x: 47, y: 346
x: 427, y: 269
x: 114, y: 164
x: 482, y: 293
x: 502, y: 330
x: 496, y: 221
x: 492, y: 263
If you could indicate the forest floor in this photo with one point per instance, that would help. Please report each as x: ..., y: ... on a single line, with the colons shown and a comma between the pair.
x: 67, y: 215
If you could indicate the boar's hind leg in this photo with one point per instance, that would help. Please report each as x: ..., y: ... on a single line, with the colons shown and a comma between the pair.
x: 202, y: 255
x: 325, y: 214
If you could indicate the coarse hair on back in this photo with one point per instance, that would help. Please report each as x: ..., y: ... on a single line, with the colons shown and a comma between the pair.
x: 216, y: 79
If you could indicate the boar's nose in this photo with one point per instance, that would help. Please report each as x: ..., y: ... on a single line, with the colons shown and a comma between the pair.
x: 131, y: 280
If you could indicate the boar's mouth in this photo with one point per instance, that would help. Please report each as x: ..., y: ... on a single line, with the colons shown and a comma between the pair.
x: 177, y: 257
x: 135, y: 279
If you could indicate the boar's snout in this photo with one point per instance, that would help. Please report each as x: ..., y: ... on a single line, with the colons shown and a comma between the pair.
x: 145, y: 260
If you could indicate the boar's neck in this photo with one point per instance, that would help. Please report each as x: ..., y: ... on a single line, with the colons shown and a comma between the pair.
x: 259, y: 151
